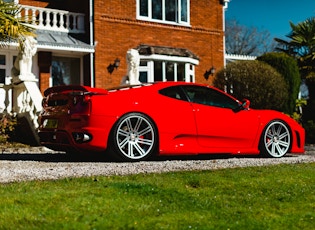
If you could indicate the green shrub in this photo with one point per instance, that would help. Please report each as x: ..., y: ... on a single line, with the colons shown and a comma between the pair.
x: 309, y: 127
x: 256, y: 81
x: 7, y: 126
x: 287, y: 66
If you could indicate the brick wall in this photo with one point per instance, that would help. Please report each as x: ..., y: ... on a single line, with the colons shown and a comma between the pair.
x: 37, y: 3
x: 117, y: 30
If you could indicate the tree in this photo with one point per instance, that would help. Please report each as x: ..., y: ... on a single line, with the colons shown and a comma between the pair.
x: 254, y: 80
x: 288, y: 68
x: 243, y: 40
x: 12, y: 27
x: 301, y: 45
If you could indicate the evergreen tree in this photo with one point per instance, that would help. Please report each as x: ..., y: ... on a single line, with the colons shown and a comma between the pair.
x: 288, y: 68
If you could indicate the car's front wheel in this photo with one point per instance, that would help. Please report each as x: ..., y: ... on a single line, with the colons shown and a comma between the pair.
x: 275, y: 139
x: 134, y: 137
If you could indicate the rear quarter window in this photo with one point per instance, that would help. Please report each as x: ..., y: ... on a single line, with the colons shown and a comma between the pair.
x: 173, y: 92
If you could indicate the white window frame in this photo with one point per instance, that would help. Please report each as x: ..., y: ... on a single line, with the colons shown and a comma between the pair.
x: 149, y: 68
x: 163, y: 20
x: 8, y: 65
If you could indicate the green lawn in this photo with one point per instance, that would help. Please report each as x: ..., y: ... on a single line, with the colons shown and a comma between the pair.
x: 273, y: 197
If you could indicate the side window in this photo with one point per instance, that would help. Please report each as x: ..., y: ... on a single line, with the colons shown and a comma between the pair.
x: 173, y: 92
x: 208, y: 96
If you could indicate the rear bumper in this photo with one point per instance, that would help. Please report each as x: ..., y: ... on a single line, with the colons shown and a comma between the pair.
x: 61, y: 140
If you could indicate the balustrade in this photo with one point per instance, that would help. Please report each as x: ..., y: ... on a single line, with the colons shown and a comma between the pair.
x: 21, y: 98
x: 53, y: 20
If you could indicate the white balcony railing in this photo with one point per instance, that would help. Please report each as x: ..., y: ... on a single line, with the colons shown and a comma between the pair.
x: 54, y: 20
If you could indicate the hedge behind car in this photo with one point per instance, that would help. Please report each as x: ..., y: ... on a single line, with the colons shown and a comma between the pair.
x: 256, y: 81
x: 287, y: 66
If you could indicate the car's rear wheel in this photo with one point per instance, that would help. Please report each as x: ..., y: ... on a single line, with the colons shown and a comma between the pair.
x: 134, y: 137
x: 275, y: 139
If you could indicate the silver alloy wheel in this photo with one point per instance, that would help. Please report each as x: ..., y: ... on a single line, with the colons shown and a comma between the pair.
x: 135, y: 137
x: 276, y: 139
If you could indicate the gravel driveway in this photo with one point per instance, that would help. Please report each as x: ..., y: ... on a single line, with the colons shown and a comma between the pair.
x: 43, y: 164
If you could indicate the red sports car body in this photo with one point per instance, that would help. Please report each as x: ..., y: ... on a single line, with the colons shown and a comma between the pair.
x: 166, y: 118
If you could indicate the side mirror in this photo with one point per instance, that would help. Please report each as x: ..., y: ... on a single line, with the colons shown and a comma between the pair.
x: 245, y: 104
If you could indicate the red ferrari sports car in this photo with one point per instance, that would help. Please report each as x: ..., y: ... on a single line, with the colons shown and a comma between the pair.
x: 168, y: 118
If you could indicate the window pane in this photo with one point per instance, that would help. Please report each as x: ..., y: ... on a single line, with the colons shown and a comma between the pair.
x: 2, y: 59
x: 171, y: 10
x: 174, y: 92
x: 2, y: 76
x: 144, y: 11
x: 143, y: 77
x: 183, y: 13
x: 157, y: 9
x: 170, y: 71
x: 143, y: 63
x: 181, y: 72
x: 158, y: 75
x: 65, y: 71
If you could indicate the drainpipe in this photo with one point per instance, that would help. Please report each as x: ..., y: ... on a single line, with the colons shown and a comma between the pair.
x: 224, y: 8
x: 91, y: 20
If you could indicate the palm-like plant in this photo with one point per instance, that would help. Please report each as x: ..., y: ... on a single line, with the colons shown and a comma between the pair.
x: 301, y: 46
x: 13, y: 28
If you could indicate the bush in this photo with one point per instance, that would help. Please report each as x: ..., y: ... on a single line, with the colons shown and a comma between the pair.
x: 7, y: 126
x: 309, y: 127
x: 287, y: 66
x: 256, y: 81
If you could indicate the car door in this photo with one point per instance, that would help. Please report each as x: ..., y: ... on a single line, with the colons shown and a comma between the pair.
x: 177, y: 123
x: 220, y: 125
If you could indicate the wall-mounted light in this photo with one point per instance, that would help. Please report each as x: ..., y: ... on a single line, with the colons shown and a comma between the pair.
x: 112, y: 66
x: 209, y: 72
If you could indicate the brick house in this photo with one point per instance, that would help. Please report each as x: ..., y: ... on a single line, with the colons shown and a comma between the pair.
x: 177, y: 40
x: 83, y: 42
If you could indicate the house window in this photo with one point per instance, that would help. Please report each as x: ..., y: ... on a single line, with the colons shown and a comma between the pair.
x: 166, y: 11
x: 163, y: 70
x: 2, y: 68
x: 65, y: 71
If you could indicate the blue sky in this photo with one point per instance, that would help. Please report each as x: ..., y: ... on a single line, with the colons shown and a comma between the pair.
x: 271, y: 15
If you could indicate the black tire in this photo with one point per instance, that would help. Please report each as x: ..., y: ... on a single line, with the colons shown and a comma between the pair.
x: 276, y: 139
x: 134, y: 138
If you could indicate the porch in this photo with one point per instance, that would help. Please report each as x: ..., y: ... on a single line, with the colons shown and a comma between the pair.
x: 20, y: 95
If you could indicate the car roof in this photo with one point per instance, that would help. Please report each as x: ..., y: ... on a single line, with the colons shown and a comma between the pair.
x: 155, y: 85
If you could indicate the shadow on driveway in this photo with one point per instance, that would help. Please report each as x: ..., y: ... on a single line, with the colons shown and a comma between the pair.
x: 63, y: 157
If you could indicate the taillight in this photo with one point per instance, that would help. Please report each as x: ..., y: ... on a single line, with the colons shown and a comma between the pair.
x: 81, y: 99
x: 81, y: 104
x: 73, y: 103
